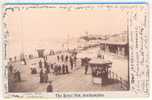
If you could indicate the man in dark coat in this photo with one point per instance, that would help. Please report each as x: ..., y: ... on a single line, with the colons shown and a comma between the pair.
x: 48, y: 69
x: 41, y: 76
x: 45, y: 64
x: 86, y: 62
x: 50, y: 87
x: 86, y: 69
x: 58, y: 58
x: 40, y: 64
x: 71, y: 62
x: 46, y: 77
x: 59, y: 69
x: 66, y: 58
x: 75, y: 60
x: 56, y: 69
x: 11, y: 68
x: 63, y: 69
x: 52, y: 66
x: 18, y: 76
x: 66, y: 68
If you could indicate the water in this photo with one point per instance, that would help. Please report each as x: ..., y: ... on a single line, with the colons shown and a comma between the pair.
x: 15, y: 48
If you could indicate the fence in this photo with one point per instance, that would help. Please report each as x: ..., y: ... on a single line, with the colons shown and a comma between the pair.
x: 123, y: 83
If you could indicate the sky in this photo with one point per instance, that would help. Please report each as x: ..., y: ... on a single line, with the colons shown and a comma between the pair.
x: 37, y: 28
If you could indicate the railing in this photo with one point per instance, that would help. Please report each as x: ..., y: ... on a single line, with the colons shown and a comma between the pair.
x: 116, y: 78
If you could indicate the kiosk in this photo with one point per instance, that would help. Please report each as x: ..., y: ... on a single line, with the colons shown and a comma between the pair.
x: 100, y: 69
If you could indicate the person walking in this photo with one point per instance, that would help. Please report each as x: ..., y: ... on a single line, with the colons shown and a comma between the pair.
x: 56, y: 69
x: 66, y: 58
x: 11, y: 68
x: 41, y: 76
x: 46, y: 77
x: 71, y: 63
x: 86, y: 65
x: 58, y: 58
x: 47, y: 67
x: 63, y: 69
x: 86, y: 69
x: 18, y: 76
x: 40, y: 64
x: 45, y: 64
x: 62, y: 57
x: 75, y: 60
x: 66, y: 69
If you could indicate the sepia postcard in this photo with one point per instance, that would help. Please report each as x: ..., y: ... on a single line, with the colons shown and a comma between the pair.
x: 64, y: 50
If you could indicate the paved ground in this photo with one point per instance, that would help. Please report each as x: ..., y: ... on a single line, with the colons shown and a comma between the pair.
x: 76, y: 80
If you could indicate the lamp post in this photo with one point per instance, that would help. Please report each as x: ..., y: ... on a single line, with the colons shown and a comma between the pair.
x: 128, y: 20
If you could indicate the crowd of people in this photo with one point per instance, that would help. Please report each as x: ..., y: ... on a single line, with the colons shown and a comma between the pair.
x: 14, y: 72
x: 44, y: 70
x: 64, y: 62
x: 63, y: 65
